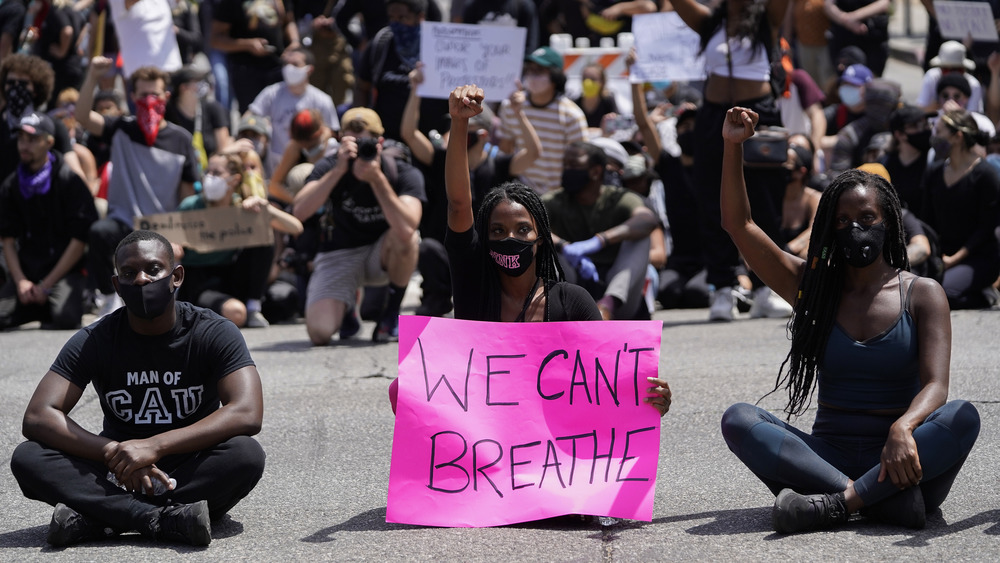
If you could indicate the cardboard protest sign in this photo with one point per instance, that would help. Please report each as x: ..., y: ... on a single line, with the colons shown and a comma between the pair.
x: 455, y: 54
x: 205, y: 230
x: 959, y: 20
x: 498, y: 423
x: 667, y: 49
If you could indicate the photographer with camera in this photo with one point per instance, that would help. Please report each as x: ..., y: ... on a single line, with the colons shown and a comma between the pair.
x: 370, y: 203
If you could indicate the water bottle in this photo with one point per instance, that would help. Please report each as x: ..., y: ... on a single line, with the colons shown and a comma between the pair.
x: 158, y: 486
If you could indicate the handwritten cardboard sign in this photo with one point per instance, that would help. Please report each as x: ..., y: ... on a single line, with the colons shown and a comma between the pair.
x: 498, y: 423
x: 454, y: 54
x: 667, y: 49
x: 959, y: 20
x: 205, y: 230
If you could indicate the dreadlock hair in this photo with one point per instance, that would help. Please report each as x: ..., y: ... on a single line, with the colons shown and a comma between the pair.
x: 819, y: 291
x: 546, y: 261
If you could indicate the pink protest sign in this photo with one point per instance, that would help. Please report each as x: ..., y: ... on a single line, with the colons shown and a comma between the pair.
x: 498, y: 423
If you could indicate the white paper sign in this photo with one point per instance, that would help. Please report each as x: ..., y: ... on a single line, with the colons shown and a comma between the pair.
x: 958, y: 20
x: 455, y: 54
x: 667, y: 49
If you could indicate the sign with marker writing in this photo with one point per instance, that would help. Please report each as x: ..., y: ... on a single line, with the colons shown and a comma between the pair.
x: 959, y: 20
x: 667, y: 49
x: 205, y: 230
x: 455, y: 54
x: 498, y: 423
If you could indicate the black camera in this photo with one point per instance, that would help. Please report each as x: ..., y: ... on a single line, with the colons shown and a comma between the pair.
x: 367, y: 148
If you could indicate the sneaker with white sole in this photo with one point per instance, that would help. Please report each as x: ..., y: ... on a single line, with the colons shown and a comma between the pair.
x: 723, y: 306
x: 769, y: 305
x: 107, y: 304
x: 255, y: 319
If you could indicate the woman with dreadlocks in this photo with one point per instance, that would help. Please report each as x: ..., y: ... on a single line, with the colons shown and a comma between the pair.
x: 737, y: 39
x: 874, y: 339
x: 504, y: 266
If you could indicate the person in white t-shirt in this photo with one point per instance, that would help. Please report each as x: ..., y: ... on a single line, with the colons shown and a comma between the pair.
x: 146, y: 35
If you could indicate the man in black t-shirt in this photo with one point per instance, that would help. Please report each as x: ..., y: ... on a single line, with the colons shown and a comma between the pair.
x: 181, y: 399
x: 371, y: 207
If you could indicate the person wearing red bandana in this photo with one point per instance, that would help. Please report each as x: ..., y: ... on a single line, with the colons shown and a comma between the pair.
x: 154, y: 166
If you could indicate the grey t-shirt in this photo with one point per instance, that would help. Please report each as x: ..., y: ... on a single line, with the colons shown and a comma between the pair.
x: 278, y: 104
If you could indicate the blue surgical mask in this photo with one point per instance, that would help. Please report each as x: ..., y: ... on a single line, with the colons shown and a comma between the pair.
x: 849, y: 95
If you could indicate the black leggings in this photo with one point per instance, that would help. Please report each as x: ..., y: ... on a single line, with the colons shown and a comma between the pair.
x: 848, y: 446
x: 222, y: 475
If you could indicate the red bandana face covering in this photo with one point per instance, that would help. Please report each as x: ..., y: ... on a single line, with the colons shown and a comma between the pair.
x: 149, y: 113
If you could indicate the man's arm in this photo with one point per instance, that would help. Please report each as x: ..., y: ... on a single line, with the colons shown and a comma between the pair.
x: 25, y: 288
x: 241, y: 414
x: 70, y: 256
x: 312, y: 195
x: 532, y: 149
x: 402, y: 212
x: 89, y: 119
x: 637, y: 226
x: 47, y: 420
x: 419, y: 144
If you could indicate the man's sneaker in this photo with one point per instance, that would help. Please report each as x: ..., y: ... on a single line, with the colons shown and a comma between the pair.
x: 255, y: 319
x: 107, y: 304
x: 793, y: 512
x: 723, y: 306
x: 386, y: 331
x: 183, y: 523
x: 905, y: 508
x: 350, y: 324
x: 69, y: 527
x: 769, y: 305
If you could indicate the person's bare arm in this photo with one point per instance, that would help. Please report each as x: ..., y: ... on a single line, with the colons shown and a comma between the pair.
x: 185, y: 189
x: 59, y: 50
x: 419, y: 144
x: 312, y: 195
x: 222, y: 138
x: 642, y: 119
x: 241, y: 414
x: 992, y: 100
x: 463, y: 103
x: 276, y: 188
x: 657, y: 248
x: 532, y: 149
x: 692, y: 12
x: 639, y: 225
x: 89, y: 119
x: 47, y: 420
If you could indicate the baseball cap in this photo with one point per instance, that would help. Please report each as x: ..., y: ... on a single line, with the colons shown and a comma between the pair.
x: 612, y: 149
x: 367, y: 116
x: 37, y: 124
x: 545, y: 56
x: 857, y: 75
x: 255, y: 123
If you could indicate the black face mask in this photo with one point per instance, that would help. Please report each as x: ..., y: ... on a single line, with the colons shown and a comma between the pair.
x: 575, y: 179
x: 685, y: 141
x: 920, y: 140
x: 861, y: 245
x: 513, y: 256
x: 148, y: 301
x: 612, y: 179
x: 18, y: 100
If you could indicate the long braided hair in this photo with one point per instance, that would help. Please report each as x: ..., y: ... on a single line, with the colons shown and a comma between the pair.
x: 818, y: 298
x: 546, y: 261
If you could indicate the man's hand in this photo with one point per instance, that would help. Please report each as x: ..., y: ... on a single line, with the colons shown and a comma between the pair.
x: 124, y: 458
x: 100, y: 65
x: 368, y: 171
x: 25, y: 292
x: 587, y: 269
x: 739, y: 125
x: 258, y: 47
x: 142, y: 479
x: 465, y: 102
x: 347, y: 152
x: 416, y: 76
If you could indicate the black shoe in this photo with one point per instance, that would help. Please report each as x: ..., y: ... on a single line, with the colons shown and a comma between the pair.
x: 69, y: 527
x: 183, y: 523
x: 905, y: 508
x: 793, y: 512
x: 386, y: 330
x: 434, y: 305
x: 349, y: 325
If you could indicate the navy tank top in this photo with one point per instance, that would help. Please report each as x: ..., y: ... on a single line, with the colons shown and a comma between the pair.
x: 882, y: 372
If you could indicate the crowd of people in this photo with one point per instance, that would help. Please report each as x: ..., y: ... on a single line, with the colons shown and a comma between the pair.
x: 545, y: 206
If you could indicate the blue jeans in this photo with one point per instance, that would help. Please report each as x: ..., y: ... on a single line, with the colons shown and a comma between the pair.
x: 848, y: 445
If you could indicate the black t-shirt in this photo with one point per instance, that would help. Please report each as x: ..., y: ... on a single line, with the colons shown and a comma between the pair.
x: 682, y: 212
x: 965, y: 213
x: 907, y: 179
x: 44, y: 225
x: 565, y: 301
x: 51, y: 33
x: 522, y: 12
x: 212, y: 117
x: 605, y: 106
x: 12, y: 14
x: 261, y: 18
x: 492, y: 171
x: 352, y: 216
x: 373, y: 17
x: 148, y: 385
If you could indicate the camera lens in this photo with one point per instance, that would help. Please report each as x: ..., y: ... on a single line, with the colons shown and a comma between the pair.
x: 367, y: 149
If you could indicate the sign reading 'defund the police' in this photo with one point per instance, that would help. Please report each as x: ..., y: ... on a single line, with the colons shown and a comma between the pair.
x: 498, y: 423
x: 215, y: 228
x: 455, y: 54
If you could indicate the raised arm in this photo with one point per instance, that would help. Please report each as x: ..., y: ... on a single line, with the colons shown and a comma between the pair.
x: 778, y: 269
x: 89, y: 119
x: 463, y: 103
x: 532, y: 149
x: 419, y: 144
x: 649, y: 133
x: 692, y: 12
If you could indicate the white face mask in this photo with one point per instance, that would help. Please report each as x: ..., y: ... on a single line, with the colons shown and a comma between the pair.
x: 849, y: 95
x: 294, y: 75
x: 536, y: 83
x: 214, y: 187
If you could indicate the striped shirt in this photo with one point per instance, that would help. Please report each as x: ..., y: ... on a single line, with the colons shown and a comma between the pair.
x: 557, y: 125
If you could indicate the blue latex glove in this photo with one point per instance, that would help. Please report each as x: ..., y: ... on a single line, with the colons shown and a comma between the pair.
x: 587, y: 269
x: 575, y: 250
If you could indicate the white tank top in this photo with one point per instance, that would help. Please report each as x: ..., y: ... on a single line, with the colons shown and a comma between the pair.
x: 748, y: 63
